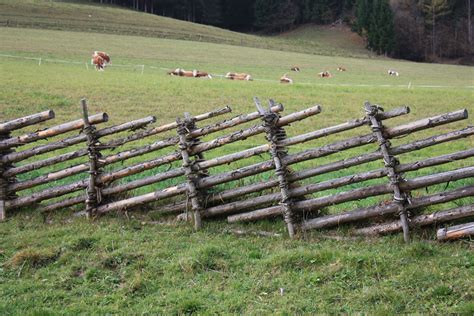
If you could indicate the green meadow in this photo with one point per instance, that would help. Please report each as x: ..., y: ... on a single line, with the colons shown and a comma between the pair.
x: 149, y: 263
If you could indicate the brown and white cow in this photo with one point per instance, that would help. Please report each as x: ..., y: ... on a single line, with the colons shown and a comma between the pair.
x: 238, y: 76
x: 286, y: 79
x: 392, y: 72
x: 325, y: 74
x: 100, y: 60
x: 295, y: 68
x: 340, y: 68
x: 187, y: 73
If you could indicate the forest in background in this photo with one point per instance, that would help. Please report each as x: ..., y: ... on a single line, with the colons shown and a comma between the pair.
x: 419, y: 30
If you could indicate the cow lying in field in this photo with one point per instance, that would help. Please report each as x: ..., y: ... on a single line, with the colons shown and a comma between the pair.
x: 295, y: 68
x: 392, y: 72
x: 187, y: 73
x: 286, y: 79
x: 340, y: 68
x: 100, y: 60
x: 325, y: 74
x: 238, y: 76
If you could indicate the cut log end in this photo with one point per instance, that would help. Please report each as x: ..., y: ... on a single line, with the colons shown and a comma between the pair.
x: 455, y: 232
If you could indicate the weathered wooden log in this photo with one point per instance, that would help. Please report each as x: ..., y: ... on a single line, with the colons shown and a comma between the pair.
x: 52, y: 131
x: 420, y: 220
x: 239, y: 206
x: 334, y: 166
x: 356, y: 194
x: 455, y: 232
x: 399, y: 196
x: 92, y: 191
x: 46, y: 194
x: 73, y: 140
x: 143, y: 199
x: 343, y: 127
x: 386, y: 209
x: 427, y: 123
x: 63, y: 204
x: 18, y: 123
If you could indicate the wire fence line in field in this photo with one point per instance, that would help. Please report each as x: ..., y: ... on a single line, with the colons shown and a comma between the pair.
x: 142, y: 67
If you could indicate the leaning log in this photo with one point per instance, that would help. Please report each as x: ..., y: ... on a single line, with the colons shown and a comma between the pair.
x: 334, y: 166
x: 420, y: 220
x: 73, y: 140
x: 52, y: 131
x: 18, y: 123
x: 356, y: 194
x: 455, y: 232
x: 386, y: 209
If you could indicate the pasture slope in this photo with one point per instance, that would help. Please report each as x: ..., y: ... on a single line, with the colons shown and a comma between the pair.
x: 90, y: 17
x: 145, y: 263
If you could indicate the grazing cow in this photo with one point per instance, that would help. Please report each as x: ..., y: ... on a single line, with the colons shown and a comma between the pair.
x: 100, y: 60
x: 238, y: 76
x: 295, y: 68
x: 286, y: 79
x: 340, y: 68
x: 392, y: 72
x: 325, y: 74
x: 186, y: 73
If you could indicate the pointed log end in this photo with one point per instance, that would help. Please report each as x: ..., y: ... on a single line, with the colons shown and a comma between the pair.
x: 227, y: 109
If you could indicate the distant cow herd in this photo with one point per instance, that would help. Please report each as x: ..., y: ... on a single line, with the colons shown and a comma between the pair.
x: 101, y: 59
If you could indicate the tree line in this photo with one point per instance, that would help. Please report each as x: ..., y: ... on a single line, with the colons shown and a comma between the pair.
x: 410, y: 29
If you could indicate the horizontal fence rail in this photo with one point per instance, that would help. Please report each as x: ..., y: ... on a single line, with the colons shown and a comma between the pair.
x: 296, y: 182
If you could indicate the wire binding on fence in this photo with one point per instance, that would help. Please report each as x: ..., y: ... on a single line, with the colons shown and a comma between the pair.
x: 93, y: 190
x: 192, y: 171
x: 400, y: 198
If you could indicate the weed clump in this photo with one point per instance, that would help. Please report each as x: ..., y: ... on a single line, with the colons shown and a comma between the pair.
x: 83, y: 244
x: 33, y: 258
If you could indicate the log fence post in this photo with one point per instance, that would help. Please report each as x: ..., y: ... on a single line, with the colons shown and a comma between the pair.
x: 399, y: 197
x: 275, y: 135
x: 3, y: 179
x: 192, y: 171
x: 93, y: 191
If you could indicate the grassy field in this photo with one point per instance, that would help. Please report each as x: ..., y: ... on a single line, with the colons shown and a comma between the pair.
x: 145, y: 263
x: 89, y: 17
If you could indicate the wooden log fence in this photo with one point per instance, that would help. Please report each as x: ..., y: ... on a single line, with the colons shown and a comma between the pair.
x: 200, y: 187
